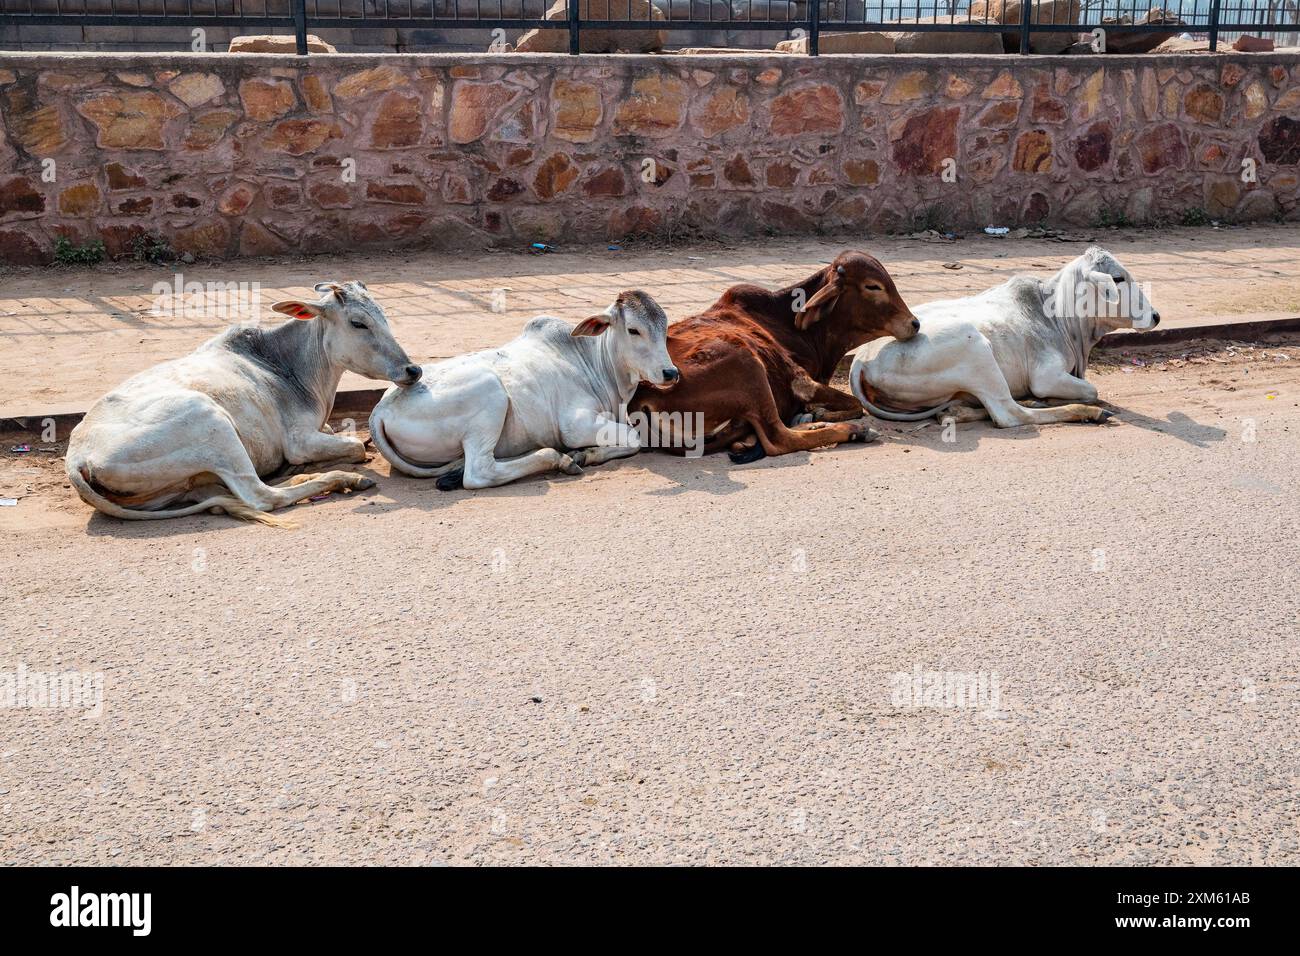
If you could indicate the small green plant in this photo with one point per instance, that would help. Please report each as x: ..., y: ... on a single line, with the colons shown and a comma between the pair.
x: 1112, y: 219
x: 1195, y: 217
x: 67, y: 252
x: 151, y: 248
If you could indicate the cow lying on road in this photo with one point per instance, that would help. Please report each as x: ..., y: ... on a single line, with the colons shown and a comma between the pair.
x: 1024, y: 337
x: 757, y: 359
x: 205, y: 429
x: 498, y: 415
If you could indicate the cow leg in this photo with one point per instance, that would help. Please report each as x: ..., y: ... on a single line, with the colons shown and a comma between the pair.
x: 774, y: 436
x: 253, y: 491
x: 598, y: 439
x: 1006, y: 412
x: 1058, y: 383
x: 302, y: 447
x: 484, y: 471
x: 831, y: 405
x: 962, y: 413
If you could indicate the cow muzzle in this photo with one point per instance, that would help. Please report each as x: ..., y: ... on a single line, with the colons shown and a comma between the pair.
x: 411, y: 375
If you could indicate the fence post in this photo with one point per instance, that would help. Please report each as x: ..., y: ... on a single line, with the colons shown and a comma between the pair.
x: 814, y: 25
x: 574, y: 45
x: 1026, y: 13
x: 1214, y: 25
x: 300, y: 25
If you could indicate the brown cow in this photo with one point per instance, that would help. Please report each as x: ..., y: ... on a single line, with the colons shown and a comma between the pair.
x: 755, y: 359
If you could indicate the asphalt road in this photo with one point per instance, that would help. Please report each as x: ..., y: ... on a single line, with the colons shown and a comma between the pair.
x: 670, y: 660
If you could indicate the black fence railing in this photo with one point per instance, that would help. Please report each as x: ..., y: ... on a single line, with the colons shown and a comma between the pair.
x: 794, y: 18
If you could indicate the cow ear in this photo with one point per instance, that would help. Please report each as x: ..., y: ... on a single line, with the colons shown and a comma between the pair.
x: 326, y: 288
x: 815, y: 309
x: 1106, y: 283
x: 296, y: 309
x: 592, y: 325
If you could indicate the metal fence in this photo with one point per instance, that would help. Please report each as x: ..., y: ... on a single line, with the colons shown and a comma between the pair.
x: 796, y: 18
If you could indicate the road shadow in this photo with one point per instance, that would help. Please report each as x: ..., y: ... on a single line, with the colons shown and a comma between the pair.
x: 718, y: 475
x: 1175, y: 424
x: 966, y: 437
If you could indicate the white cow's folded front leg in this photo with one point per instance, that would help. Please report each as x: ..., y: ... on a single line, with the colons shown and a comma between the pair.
x: 598, y: 439
x: 305, y: 446
x: 1055, y: 382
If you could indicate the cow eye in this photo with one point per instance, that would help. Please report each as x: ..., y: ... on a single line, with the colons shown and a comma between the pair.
x: 633, y: 331
x: 874, y: 287
x: 356, y: 325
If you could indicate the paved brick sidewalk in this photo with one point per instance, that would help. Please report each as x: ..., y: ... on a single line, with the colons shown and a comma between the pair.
x: 71, y: 334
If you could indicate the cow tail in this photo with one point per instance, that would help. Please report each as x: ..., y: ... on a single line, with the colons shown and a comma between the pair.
x: 79, y: 474
x: 414, y: 469
x: 857, y: 382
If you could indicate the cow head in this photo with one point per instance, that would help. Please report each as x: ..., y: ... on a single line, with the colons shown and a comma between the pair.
x: 354, y: 332
x: 1096, y: 288
x: 858, y: 291
x: 637, y: 338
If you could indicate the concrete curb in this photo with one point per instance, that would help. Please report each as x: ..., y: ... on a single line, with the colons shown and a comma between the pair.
x: 359, y: 401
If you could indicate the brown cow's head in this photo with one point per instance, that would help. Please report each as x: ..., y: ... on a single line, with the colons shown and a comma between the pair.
x: 858, y: 291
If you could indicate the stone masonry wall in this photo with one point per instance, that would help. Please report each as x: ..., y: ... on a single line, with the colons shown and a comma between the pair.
x: 224, y: 155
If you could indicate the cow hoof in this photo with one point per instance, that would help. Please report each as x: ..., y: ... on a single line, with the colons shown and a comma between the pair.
x: 748, y: 455
x: 802, y: 419
x: 452, y: 480
x: 1105, y: 416
x: 364, y: 483
x: 570, y: 466
x: 865, y: 434
x: 578, y: 458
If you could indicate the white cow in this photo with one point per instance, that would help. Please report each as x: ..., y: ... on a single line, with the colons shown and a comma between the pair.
x: 1024, y: 337
x: 494, y: 416
x: 202, y: 431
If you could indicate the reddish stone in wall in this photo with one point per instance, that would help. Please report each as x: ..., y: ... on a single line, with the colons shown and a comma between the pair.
x: 737, y: 172
x: 297, y: 137
x: 204, y: 131
x: 329, y: 195
x: 474, y: 106
x: 1161, y: 147
x: 1033, y: 152
x: 407, y: 194
x: 81, y: 199
x: 785, y: 218
x: 634, y: 221
x: 555, y: 176
x: 21, y: 249
x: 724, y: 110
x: 17, y: 194
x: 927, y: 139
x: 1092, y: 150
x: 1279, y: 141
x: 399, y: 122
x: 999, y: 115
x: 782, y: 175
x: 862, y: 172
x: 607, y: 182
x: 1047, y: 109
x: 504, y: 189
x: 1037, y: 208
x: 121, y: 178
x: 134, y: 207
x: 119, y: 240
x: 1204, y: 105
x: 813, y: 109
